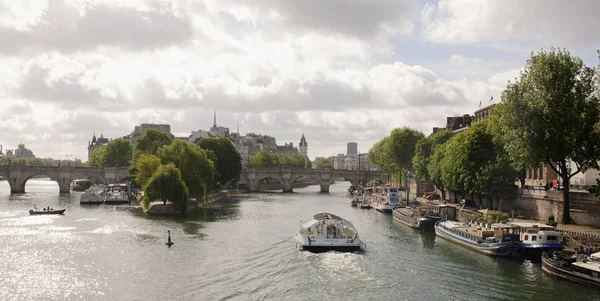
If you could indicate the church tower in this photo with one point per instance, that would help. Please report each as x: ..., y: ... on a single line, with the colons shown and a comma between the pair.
x: 303, y: 147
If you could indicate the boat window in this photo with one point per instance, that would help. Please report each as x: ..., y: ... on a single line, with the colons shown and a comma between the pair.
x: 533, y: 238
x: 526, y: 237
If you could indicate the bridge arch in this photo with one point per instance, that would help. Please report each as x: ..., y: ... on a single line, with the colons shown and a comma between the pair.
x: 18, y: 185
x: 260, y: 180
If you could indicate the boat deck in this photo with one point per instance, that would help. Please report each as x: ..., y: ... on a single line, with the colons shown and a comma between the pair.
x: 483, y: 233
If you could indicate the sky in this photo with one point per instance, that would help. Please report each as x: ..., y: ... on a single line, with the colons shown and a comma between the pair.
x: 337, y: 71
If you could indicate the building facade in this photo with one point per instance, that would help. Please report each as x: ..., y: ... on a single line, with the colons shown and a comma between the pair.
x: 20, y: 152
x: 141, y: 129
x: 96, y: 143
x: 483, y: 113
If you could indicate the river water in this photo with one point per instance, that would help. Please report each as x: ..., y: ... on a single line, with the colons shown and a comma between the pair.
x: 242, y: 249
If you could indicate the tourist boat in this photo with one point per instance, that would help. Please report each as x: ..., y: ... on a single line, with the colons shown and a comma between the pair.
x: 36, y: 211
x: 578, y: 268
x: 116, y: 194
x: 416, y: 217
x: 355, y: 201
x: 80, y: 185
x: 92, y: 195
x: 385, y: 198
x: 365, y: 204
x: 325, y: 231
x: 537, y: 238
x: 498, y: 240
x: 354, y: 189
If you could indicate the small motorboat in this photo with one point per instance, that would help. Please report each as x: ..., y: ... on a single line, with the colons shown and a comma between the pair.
x: 355, y: 201
x: 325, y: 232
x: 50, y: 211
x: 366, y: 204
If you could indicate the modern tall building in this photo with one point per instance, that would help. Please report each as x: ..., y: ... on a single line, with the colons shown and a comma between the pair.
x: 351, y: 148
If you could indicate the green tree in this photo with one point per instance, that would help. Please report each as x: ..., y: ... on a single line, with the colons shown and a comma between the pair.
x: 434, y: 168
x: 197, y: 170
x: 551, y: 114
x: 146, y: 165
x: 228, y: 163
x: 116, y: 153
x: 402, y: 143
x: 265, y: 159
x: 380, y: 155
x: 452, y: 167
x: 166, y: 184
x: 323, y: 163
x: 293, y: 161
x: 423, y: 152
x: 151, y: 141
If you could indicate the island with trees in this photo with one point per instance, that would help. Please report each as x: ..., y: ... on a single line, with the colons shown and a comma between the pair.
x: 171, y: 172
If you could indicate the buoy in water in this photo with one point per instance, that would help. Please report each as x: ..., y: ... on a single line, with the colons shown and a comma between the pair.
x: 169, y: 242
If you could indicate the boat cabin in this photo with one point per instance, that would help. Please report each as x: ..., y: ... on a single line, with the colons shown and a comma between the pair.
x: 447, y: 212
x: 328, y: 226
x: 537, y: 233
x: 506, y: 233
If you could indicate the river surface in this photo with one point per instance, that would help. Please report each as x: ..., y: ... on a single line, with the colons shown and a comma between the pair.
x: 242, y: 249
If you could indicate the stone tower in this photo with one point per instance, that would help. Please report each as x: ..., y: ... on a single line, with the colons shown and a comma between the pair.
x: 303, y: 147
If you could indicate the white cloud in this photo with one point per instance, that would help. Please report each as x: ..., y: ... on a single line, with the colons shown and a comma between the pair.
x: 283, y: 68
x: 556, y: 22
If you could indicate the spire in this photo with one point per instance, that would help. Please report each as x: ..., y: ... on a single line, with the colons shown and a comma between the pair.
x: 215, y: 119
x: 238, y: 128
x: 303, y: 141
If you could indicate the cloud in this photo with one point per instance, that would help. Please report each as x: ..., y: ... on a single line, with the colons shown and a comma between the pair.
x: 555, y: 22
x: 69, y: 27
x: 327, y: 69
x: 355, y: 18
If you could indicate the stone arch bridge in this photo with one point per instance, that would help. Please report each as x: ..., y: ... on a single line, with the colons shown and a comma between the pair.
x: 17, y: 175
x: 325, y: 177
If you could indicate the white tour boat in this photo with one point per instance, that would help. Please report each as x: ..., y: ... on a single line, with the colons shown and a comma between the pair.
x: 325, y: 231
x: 116, y: 194
x: 385, y: 198
x: 92, y: 195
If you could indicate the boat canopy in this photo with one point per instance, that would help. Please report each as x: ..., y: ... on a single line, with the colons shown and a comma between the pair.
x: 325, y: 216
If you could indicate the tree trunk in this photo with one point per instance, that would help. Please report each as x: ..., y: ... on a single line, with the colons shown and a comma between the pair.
x: 443, y: 191
x: 480, y: 201
x: 455, y: 196
x: 564, y: 174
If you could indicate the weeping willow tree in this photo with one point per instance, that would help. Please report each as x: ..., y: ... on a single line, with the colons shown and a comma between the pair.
x: 166, y: 184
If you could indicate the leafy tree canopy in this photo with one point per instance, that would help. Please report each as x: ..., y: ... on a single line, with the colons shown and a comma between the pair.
x: 116, y: 153
x: 151, y: 141
x: 403, y: 143
x: 268, y: 159
x: 197, y: 170
x: 423, y: 152
x: 228, y: 163
x: 323, y: 163
x: 551, y: 114
x: 146, y: 165
x: 166, y: 184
